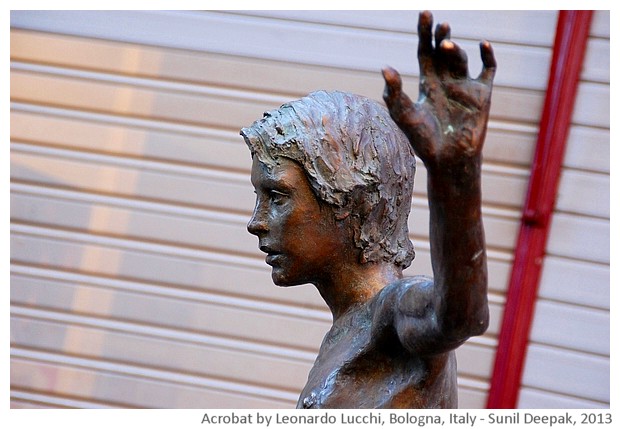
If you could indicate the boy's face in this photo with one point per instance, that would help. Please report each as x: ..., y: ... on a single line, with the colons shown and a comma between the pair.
x: 303, y: 240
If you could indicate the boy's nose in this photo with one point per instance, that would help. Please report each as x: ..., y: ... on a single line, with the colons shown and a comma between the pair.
x: 257, y: 224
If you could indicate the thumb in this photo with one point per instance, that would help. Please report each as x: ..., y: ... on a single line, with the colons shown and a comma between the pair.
x: 398, y: 103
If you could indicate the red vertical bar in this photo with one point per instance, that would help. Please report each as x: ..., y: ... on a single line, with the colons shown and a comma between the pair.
x: 568, y: 53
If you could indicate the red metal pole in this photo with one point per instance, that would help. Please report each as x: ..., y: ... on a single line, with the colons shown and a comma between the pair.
x: 568, y: 53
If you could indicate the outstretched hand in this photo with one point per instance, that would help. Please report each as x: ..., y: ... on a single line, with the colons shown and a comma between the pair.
x: 448, y: 122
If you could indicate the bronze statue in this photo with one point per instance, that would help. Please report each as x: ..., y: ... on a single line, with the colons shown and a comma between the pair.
x: 333, y: 174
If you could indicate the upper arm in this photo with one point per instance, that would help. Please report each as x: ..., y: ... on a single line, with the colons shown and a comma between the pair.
x: 416, y: 317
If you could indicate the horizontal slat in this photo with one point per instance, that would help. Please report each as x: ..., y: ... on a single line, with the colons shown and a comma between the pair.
x: 580, y: 375
x: 572, y: 327
x: 200, y: 272
x: 511, y: 147
x: 475, y: 360
x: 472, y: 399
x: 200, y: 359
x: 596, y: 64
x: 500, y: 223
x: 588, y: 149
x: 101, y: 134
x: 535, y: 28
x: 584, y: 193
x: 58, y: 335
x: 117, y: 384
x: 133, y: 204
x: 185, y: 187
x: 178, y: 65
x: 601, y: 24
x: 207, y: 150
x: 255, y: 75
x: 468, y: 399
x: 106, y: 218
x: 86, y: 379
x: 184, y: 336
x: 153, y: 185
x: 500, y: 233
x: 23, y: 399
x: 498, y: 262
x: 575, y: 282
x: 28, y: 404
x: 540, y: 399
x: 271, y: 39
x: 214, y: 108
x: 156, y: 266
x: 199, y: 105
x: 176, y: 313
x: 159, y: 267
x: 112, y: 216
x: 579, y: 238
x: 592, y: 105
x: 501, y: 186
x: 212, y: 148
x: 88, y: 337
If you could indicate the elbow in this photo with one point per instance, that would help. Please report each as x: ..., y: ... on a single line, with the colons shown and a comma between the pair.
x: 478, y: 318
x: 471, y: 326
x: 479, y: 323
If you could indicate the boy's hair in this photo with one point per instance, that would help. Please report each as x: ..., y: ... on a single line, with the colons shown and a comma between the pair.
x: 356, y: 159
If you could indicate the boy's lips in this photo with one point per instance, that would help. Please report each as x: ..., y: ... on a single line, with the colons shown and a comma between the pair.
x: 267, y: 249
x: 272, y: 258
x: 272, y: 254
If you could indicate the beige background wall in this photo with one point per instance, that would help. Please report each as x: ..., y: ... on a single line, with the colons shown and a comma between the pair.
x: 133, y: 280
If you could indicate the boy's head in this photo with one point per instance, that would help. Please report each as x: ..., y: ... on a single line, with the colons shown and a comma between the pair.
x: 356, y: 160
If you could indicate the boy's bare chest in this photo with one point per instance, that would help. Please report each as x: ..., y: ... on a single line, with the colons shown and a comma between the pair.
x: 353, y: 370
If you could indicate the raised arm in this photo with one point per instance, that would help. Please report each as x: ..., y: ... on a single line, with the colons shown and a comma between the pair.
x: 446, y: 127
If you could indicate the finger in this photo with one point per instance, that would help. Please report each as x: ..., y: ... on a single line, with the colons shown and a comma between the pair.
x: 454, y: 58
x: 489, y: 65
x: 425, y: 41
x: 442, y: 31
x: 396, y: 100
x: 393, y: 86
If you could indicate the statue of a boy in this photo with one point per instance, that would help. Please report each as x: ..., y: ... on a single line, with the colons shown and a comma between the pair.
x: 333, y: 175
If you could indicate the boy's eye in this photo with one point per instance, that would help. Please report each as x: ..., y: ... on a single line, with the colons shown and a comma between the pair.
x: 277, y: 197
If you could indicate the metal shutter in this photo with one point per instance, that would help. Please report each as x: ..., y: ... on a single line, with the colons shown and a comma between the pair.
x: 133, y: 280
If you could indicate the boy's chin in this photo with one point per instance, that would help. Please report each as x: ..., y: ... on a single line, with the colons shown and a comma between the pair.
x: 280, y: 279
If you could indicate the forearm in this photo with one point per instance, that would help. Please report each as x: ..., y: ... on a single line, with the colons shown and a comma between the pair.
x: 457, y: 247
x: 432, y: 316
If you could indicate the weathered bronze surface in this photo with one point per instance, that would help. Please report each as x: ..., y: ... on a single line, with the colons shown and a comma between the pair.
x: 333, y: 174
